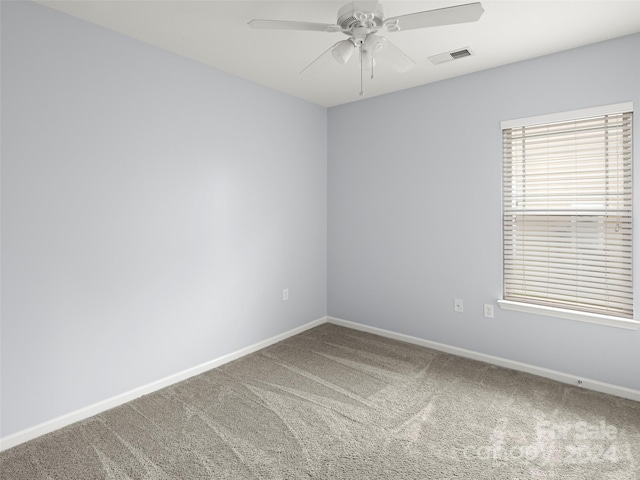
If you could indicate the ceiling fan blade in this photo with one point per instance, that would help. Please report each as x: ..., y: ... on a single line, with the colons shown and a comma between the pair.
x: 320, y: 62
x: 291, y: 25
x: 470, y: 12
x: 396, y: 58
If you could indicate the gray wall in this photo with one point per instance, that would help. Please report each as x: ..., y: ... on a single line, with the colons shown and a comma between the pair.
x: 414, y: 201
x: 153, y: 209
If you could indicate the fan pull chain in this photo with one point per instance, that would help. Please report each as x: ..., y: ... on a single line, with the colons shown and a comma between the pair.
x: 361, y: 71
x: 362, y: 51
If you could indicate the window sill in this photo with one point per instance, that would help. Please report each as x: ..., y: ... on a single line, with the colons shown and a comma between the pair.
x: 571, y: 315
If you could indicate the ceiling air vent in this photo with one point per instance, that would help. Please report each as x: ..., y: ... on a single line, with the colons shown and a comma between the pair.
x: 452, y: 55
x: 460, y: 54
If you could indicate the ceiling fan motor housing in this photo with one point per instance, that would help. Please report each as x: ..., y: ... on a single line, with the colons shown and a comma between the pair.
x: 360, y: 15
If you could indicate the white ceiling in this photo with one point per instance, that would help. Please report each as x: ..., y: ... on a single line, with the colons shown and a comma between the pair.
x: 216, y: 33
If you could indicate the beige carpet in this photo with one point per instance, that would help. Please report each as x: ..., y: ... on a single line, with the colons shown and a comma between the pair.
x: 334, y: 403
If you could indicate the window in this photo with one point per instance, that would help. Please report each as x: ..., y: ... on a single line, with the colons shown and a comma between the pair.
x: 567, y: 215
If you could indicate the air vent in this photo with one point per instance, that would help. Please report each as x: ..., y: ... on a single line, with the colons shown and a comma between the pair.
x: 452, y: 55
x: 460, y: 54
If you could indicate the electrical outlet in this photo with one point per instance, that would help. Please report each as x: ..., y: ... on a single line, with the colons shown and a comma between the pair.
x: 458, y: 305
x: 285, y: 294
x: 488, y: 310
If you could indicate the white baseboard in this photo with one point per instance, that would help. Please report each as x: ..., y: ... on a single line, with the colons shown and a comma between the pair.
x: 502, y: 362
x: 96, y: 408
x: 91, y: 410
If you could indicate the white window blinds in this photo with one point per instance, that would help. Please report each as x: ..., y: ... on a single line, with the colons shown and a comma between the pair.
x: 567, y: 214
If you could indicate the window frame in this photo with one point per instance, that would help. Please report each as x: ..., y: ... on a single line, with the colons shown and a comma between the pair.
x: 608, y: 320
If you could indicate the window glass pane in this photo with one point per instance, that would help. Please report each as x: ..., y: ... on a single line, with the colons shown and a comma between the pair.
x: 567, y: 214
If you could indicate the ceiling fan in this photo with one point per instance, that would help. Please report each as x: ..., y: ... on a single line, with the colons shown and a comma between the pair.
x: 361, y: 21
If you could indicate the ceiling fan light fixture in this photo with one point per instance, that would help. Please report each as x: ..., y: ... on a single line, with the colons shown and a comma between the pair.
x: 342, y: 51
x: 375, y: 45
